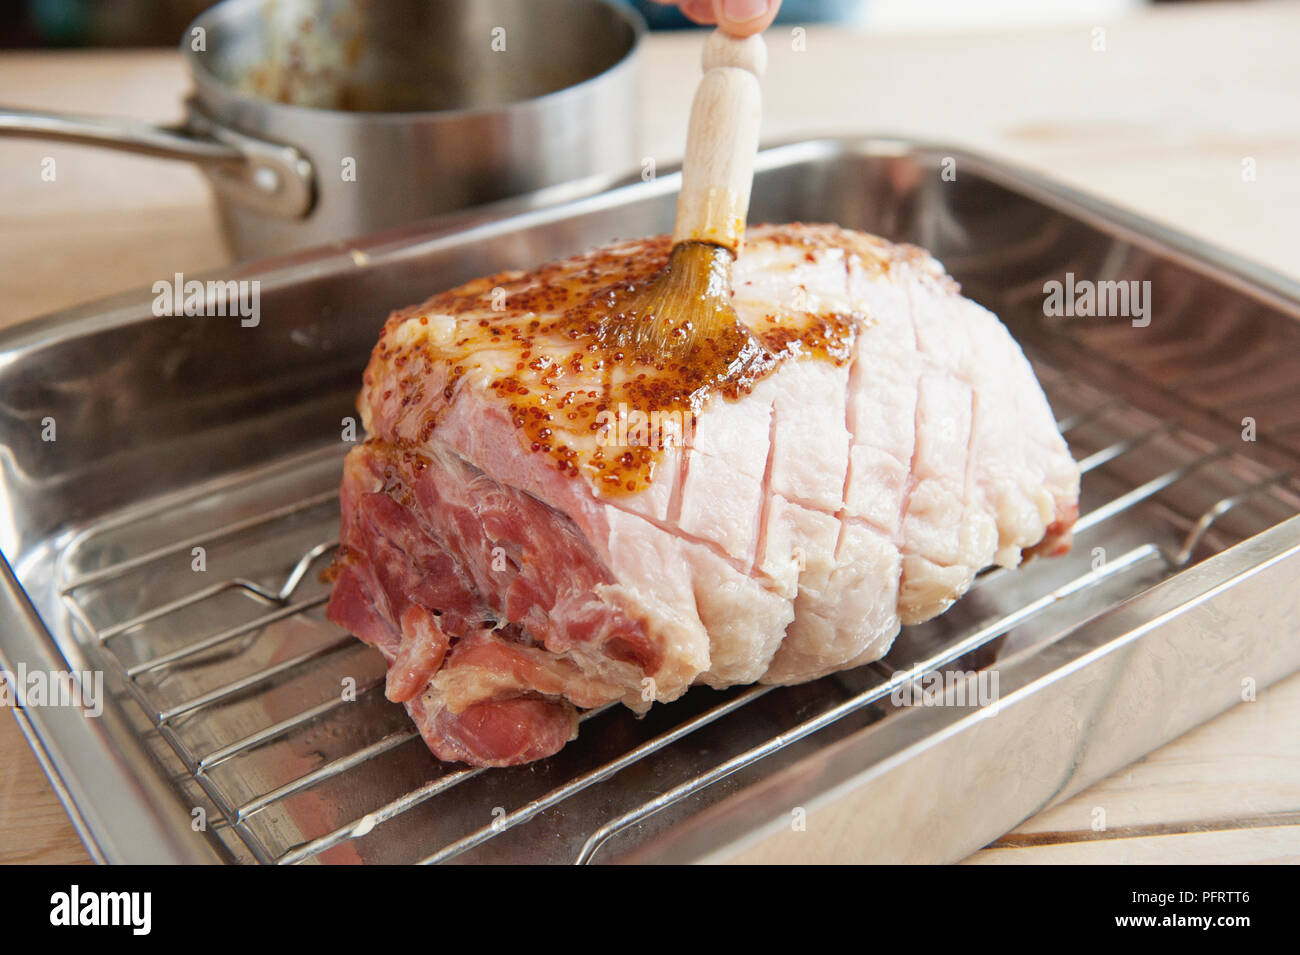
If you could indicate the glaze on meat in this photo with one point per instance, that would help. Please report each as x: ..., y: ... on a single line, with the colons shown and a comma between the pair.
x: 542, y: 522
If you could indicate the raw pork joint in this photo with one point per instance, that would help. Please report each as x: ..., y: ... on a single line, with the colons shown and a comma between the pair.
x: 539, y: 523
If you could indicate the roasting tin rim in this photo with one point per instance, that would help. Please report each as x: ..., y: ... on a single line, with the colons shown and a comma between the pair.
x: 1101, y: 637
x: 1246, y: 275
x: 111, y: 786
x: 87, y: 759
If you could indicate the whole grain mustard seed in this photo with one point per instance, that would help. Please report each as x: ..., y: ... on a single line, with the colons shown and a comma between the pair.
x: 554, y: 359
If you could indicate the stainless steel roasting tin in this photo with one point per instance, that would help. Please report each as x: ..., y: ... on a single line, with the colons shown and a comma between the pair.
x: 177, y: 433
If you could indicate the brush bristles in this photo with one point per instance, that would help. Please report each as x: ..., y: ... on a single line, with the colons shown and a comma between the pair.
x: 688, y: 303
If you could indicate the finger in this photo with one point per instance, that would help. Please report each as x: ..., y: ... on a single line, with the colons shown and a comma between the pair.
x: 698, y: 11
x: 744, y: 17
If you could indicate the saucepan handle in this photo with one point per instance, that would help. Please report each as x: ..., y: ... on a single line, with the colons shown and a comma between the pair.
x: 271, y: 178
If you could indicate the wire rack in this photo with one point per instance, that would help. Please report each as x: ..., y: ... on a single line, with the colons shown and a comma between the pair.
x: 208, y: 611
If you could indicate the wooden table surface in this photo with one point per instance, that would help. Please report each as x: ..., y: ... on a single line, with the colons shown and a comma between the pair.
x: 1161, y: 121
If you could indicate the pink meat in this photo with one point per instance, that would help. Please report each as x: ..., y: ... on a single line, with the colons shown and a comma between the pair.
x: 848, y: 492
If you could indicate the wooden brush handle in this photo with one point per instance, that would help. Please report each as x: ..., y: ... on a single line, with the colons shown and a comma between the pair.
x: 718, y: 169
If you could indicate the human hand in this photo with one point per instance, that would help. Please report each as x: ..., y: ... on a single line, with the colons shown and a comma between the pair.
x: 740, y: 18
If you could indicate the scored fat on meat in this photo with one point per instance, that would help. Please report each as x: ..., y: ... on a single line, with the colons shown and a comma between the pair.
x: 540, y: 522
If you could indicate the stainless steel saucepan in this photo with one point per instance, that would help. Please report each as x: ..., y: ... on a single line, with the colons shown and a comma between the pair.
x: 318, y: 120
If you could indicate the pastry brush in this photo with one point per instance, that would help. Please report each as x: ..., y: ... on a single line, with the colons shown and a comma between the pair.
x: 689, y: 301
